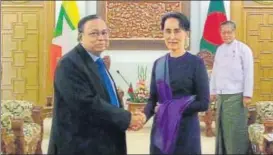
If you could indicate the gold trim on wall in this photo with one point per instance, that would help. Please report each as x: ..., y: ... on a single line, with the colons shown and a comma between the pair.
x: 264, y: 2
x: 50, y: 28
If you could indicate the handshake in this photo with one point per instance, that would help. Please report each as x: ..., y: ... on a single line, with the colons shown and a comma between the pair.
x: 138, y: 120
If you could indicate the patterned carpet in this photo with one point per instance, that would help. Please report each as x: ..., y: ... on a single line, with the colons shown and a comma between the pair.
x: 138, y: 142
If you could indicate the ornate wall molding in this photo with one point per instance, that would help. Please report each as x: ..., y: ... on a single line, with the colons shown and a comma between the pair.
x: 264, y: 2
x: 136, y: 24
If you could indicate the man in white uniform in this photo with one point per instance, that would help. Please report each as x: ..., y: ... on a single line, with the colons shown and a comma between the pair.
x: 232, y: 84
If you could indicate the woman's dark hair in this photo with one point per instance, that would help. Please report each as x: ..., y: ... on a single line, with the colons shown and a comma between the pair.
x: 184, y: 23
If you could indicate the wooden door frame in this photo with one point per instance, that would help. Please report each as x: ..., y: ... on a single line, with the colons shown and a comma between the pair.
x: 50, y: 9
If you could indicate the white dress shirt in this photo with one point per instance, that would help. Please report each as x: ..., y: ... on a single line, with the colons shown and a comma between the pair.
x: 233, y: 70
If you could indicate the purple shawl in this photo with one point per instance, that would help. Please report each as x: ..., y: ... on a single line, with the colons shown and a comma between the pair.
x: 169, y: 114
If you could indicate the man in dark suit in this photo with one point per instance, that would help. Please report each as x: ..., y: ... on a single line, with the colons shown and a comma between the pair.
x: 88, y: 118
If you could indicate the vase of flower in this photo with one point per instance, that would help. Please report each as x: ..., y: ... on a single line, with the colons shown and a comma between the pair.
x: 138, y: 97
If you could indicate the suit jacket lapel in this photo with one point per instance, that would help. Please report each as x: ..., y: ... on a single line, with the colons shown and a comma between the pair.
x: 91, y: 65
x: 88, y: 60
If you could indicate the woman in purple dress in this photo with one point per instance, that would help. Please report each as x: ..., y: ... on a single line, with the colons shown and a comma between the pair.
x: 180, y: 88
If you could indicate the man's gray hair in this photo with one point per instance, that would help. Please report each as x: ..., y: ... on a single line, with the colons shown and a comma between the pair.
x: 230, y: 23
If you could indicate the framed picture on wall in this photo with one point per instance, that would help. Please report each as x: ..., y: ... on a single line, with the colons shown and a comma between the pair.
x: 135, y: 25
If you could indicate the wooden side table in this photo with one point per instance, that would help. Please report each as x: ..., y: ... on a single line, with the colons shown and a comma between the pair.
x: 268, y: 144
x: 47, y: 109
x: 208, y: 118
x: 267, y: 147
x: 252, y: 114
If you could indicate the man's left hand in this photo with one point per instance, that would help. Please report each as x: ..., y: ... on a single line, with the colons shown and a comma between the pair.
x: 246, y: 101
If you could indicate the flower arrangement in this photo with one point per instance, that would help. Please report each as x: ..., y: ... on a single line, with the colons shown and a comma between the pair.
x: 141, y: 94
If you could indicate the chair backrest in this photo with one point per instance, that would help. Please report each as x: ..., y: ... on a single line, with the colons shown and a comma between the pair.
x: 264, y: 111
x: 15, y: 109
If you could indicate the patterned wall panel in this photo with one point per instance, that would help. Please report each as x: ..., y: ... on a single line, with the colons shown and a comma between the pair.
x: 259, y: 36
x: 25, y: 44
x: 135, y: 25
x: 20, y: 54
x: 137, y: 19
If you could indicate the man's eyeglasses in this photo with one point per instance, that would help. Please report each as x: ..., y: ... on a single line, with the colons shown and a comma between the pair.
x: 96, y: 34
x: 226, y: 32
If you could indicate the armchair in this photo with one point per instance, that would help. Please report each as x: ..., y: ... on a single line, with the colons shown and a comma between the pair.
x: 22, y: 127
x: 262, y: 126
